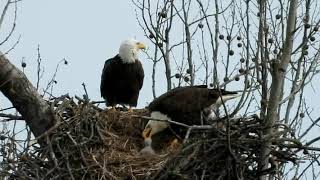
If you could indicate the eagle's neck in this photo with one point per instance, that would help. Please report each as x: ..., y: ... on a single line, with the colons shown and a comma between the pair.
x: 128, y: 56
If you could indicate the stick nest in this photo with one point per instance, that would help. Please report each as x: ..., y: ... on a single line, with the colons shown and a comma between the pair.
x: 229, y: 152
x: 89, y: 143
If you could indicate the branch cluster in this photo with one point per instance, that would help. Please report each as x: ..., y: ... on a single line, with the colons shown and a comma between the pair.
x: 234, y: 154
x: 88, y: 143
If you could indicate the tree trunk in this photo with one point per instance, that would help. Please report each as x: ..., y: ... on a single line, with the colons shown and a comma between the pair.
x: 278, y: 78
x: 25, y: 98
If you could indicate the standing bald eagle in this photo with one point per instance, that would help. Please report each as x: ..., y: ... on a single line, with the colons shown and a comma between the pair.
x: 122, y: 76
x: 183, y: 104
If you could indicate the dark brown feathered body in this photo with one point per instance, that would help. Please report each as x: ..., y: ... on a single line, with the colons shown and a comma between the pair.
x: 184, y: 104
x: 121, y: 82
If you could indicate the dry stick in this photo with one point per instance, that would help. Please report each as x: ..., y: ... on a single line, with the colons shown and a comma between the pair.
x: 186, y: 137
x: 84, y: 101
x: 69, y: 169
x: 190, y: 128
x: 52, y: 81
x: 5, y: 109
x: 52, y: 154
x: 45, y: 134
x: 4, y: 12
x: 203, y: 127
x: 38, y: 67
x: 14, y: 22
x: 305, y: 169
x: 212, y: 40
x: 98, y: 102
x: 188, y: 42
x: 10, y: 116
x: 234, y: 77
x: 61, y: 98
x: 86, y: 98
x: 167, y: 49
x: 70, y: 137
x: 309, y: 128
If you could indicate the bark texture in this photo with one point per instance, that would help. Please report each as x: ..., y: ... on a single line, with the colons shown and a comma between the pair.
x: 25, y: 98
x: 279, y: 68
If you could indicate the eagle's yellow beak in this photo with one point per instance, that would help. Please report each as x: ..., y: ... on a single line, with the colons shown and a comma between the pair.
x: 146, y: 133
x: 141, y: 45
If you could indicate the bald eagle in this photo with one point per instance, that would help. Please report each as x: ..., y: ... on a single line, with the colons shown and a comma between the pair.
x: 122, y: 76
x: 185, y: 105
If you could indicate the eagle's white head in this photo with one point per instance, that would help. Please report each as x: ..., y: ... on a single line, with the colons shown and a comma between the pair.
x: 128, y: 50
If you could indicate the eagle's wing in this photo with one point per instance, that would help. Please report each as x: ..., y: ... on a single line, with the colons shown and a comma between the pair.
x: 183, y: 99
x: 140, y: 74
x: 104, y: 77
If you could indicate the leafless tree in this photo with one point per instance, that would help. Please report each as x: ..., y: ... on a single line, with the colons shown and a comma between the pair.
x: 15, y: 85
x: 25, y: 98
x: 277, y: 43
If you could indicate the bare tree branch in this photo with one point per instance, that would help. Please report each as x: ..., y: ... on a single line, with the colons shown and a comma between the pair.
x: 279, y: 68
x: 25, y: 98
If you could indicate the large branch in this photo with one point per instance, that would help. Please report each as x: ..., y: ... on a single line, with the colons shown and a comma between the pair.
x: 278, y: 77
x: 25, y: 98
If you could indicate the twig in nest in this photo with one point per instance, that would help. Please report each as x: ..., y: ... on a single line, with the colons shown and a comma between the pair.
x: 86, y: 96
x: 87, y: 102
x: 198, y: 127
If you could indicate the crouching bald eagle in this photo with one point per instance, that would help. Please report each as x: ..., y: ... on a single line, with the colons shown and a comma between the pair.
x: 122, y: 76
x: 185, y: 105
